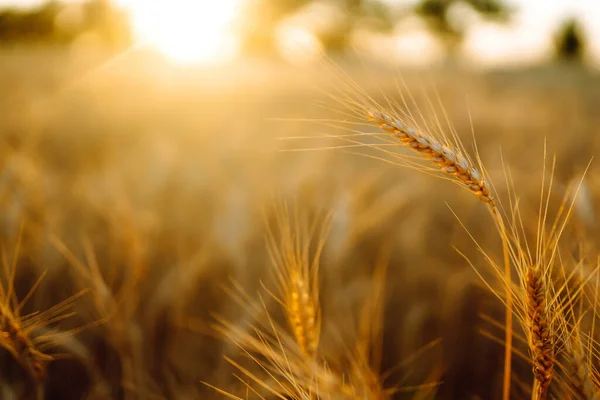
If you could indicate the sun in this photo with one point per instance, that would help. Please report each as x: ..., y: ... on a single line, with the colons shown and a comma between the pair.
x: 186, y: 31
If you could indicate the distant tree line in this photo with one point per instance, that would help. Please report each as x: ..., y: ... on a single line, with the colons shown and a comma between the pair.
x: 439, y: 16
x: 51, y: 22
x: 60, y: 23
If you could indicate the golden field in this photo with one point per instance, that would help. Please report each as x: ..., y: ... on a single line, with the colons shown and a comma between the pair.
x: 159, y: 197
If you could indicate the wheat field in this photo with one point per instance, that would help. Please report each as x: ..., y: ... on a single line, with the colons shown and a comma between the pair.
x: 262, y: 231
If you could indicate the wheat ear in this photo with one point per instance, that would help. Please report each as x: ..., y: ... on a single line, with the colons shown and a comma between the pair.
x: 540, y: 335
x: 449, y: 160
x: 297, y: 274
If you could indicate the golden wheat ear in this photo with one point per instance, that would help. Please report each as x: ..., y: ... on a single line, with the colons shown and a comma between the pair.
x: 288, y: 355
x: 290, y: 246
x: 451, y: 160
x: 539, y: 305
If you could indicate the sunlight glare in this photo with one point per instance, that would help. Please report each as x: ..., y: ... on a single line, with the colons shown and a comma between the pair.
x: 186, y: 31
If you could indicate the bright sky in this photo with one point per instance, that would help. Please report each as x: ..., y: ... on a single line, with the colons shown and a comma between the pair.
x: 527, y: 38
x: 531, y: 32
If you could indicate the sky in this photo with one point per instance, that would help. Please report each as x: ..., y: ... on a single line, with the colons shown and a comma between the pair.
x: 527, y: 37
x: 537, y: 21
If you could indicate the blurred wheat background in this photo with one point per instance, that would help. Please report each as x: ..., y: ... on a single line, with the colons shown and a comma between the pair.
x: 185, y: 218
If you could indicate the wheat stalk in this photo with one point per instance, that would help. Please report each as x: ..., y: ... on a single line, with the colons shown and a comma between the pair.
x: 452, y: 161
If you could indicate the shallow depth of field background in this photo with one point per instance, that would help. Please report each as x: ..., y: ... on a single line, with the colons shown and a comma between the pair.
x: 158, y: 167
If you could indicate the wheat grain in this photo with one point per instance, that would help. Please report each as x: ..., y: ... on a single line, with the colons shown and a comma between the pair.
x: 303, y: 314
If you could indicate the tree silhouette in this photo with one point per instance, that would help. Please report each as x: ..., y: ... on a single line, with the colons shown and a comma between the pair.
x: 438, y: 16
x: 569, y: 42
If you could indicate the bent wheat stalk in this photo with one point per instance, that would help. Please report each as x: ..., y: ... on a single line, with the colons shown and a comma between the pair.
x: 452, y: 161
